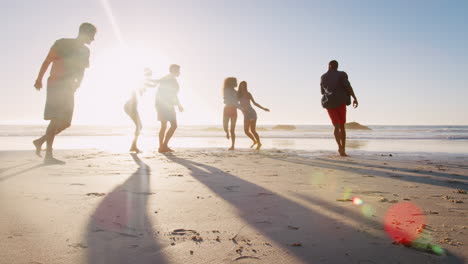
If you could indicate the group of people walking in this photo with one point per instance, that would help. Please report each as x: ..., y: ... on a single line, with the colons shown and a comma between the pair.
x: 70, y: 57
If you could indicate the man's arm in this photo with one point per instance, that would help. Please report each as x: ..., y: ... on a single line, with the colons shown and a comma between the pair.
x: 350, y: 90
x: 45, y: 65
x: 177, y: 102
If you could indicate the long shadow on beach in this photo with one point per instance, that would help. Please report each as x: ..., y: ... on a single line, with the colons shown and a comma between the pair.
x: 13, y: 167
x: 120, y: 230
x: 424, y: 177
x: 324, y: 239
x: 456, y: 165
x: 11, y: 175
x: 451, y: 176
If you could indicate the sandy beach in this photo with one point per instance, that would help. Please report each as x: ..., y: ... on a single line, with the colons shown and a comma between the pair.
x: 215, y: 206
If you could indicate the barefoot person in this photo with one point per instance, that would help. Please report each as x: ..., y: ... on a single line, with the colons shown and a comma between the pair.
x: 69, y: 58
x: 336, y: 91
x: 250, y: 115
x: 131, y: 108
x: 166, y: 99
x: 231, y: 103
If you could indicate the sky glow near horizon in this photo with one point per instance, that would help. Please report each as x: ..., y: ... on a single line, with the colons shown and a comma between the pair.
x: 406, y: 61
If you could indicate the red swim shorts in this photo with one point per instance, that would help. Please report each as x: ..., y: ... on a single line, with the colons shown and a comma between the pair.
x: 338, y: 115
x: 230, y: 111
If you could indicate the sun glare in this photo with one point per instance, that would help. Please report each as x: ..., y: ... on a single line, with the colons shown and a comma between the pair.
x: 113, y: 75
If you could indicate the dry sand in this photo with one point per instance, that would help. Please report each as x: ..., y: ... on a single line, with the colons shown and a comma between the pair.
x: 215, y: 206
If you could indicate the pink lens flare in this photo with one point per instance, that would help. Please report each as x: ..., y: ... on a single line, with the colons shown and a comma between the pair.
x: 357, y: 201
x: 404, y: 222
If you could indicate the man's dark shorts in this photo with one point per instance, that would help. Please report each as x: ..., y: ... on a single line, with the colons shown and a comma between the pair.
x: 60, y: 102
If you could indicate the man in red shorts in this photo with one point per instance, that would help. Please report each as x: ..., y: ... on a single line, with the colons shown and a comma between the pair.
x: 336, y: 91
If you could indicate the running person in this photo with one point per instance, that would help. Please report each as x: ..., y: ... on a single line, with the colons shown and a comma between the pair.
x: 166, y: 99
x: 231, y: 103
x: 69, y: 58
x: 336, y: 91
x: 131, y: 108
x: 250, y: 115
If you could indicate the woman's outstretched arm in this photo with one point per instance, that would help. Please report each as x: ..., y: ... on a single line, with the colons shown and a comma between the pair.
x: 257, y: 105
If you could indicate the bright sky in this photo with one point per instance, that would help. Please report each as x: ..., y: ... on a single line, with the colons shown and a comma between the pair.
x: 405, y: 59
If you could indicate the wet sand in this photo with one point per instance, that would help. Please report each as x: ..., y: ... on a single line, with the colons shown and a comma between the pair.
x: 216, y: 206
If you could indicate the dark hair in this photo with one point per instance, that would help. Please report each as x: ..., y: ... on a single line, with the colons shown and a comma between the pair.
x: 242, y: 89
x: 229, y: 82
x: 333, y: 64
x: 174, y: 67
x: 87, y: 28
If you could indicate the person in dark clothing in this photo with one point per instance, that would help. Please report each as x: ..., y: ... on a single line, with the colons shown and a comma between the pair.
x: 336, y: 92
x: 69, y: 58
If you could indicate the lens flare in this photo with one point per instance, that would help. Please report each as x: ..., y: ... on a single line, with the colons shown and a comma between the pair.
x: 437, y: 250
x: 367, y: 210
x: 424, y: 242
x: 357, y: 201
x: 404, y: 222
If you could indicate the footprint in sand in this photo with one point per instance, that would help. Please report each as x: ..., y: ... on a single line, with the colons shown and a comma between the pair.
x: 95, y: 194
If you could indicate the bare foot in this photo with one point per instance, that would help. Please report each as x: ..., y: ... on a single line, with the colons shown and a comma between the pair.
x: 259, y: 146
x: 342, y: 152
x: 38, y: 146
x: 231, y: 148
x: 135, y: 149
x: 164, y: 149
x: 254, y: 143
x: 227, y: 136
x: 169, y: 149
x: 53, y: 161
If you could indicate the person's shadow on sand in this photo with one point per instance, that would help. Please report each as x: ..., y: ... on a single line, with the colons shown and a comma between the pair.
x: 120, y: 230
x: 11, y: 175
x: 323, y: 238
x: 396, y: 173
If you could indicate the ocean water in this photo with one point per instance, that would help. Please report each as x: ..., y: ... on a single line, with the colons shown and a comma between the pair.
x: 414, y: 139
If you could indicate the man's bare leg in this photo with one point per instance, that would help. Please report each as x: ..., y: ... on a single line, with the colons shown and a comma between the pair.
x: 40, y: 141
x: 337, y: 135
x: 38, y: 144
x: 169, y: 135
x: 343, y: 140
x: 52, y: 129
x: 162, y: 133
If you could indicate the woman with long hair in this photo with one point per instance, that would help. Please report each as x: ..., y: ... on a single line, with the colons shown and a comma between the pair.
x: 231, y: 103
x: 250, y: 115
